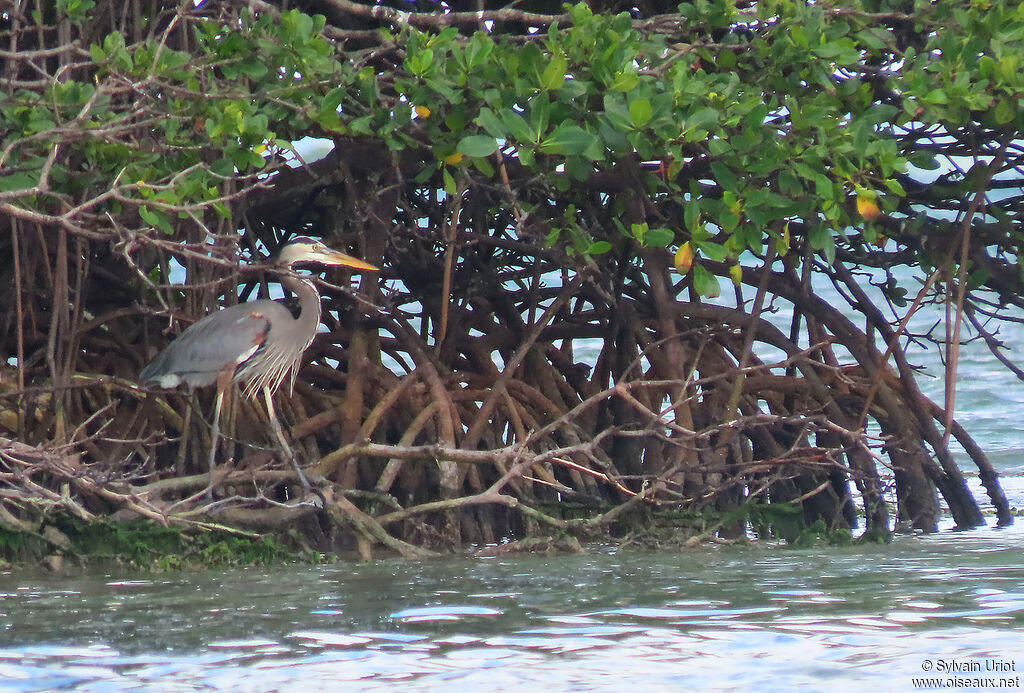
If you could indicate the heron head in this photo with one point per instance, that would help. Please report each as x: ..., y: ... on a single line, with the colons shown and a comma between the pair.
x: 303, y: 249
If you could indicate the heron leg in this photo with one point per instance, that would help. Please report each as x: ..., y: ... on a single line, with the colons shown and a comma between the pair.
x: 179, y: 462
x: 214, y: 438
x: 279, y: 434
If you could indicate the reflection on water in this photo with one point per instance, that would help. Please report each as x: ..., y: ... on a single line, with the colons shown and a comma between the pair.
x: 712, y: 618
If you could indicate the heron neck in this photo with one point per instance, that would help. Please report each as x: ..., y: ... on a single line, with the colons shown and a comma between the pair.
x: 308, y: 319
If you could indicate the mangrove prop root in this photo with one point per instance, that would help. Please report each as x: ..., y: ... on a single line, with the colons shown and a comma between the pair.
x: 486, y: 385
x: 524, y: 470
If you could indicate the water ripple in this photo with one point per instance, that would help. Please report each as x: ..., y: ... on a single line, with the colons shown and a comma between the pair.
x: 719, y: 619
x: 443, y: 613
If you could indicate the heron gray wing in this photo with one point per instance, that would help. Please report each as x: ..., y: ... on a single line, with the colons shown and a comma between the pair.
x: 218, y: 343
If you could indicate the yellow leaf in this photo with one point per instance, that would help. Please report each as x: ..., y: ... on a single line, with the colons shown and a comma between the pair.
x: 453, y: 159
x: 422, y: 111
x: 782, y: 244
x: 736, y: 272
x: 867, y: 207
x: 684, y: 258
x: 259, y: 149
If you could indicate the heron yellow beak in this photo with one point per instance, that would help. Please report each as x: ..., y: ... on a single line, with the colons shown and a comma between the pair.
x: 333, y: 257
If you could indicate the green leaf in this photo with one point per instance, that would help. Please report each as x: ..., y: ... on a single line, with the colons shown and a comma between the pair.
x: 304, y: 24
x: 728, y: 220
x: 829, y: 251
x: 598, y: 248
x: 659, y: 237
x: 873, y: 38
x: 1003, y: 112
x: 477, y: 145
x: 725, y: 59
x: 491, y: 123
x: 483, y: 165
x: 424, y: 175
x: 894, y: 187
x: 624, y: 81
x: 691, y: 215
x: 156, y: 218
x: 718, y: 146
x: 579, y: 167
x: 254, y: 69
x: 449, y: 182
x: 724, y: 175
x: 517, y: 126
x: 823, y: 187
x: 616, y: 111
x: 17, y: 181
x: 798, y: 36
x: 477, y: 50
x: 705, y: 283
x: 640, y: 112
x: 553, y: 76
x: 924, y: 159
x: 223, y: 167
x: 716, y: 252
x: 256, y: 160
x: 882, y: 113
x: 76, y: 10
x: 526, y: 156
x: 256, y: 124
x: 818, y: 236
x: 419, y: 63
x: 40, y: 122
x: 540, y: 116
x: 705, y: 118
x: 567, y: 139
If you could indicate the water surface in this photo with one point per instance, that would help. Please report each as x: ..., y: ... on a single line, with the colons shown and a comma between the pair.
x: 720, y: 618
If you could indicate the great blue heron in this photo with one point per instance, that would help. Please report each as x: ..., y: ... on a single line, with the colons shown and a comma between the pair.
x: 256, y: 343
